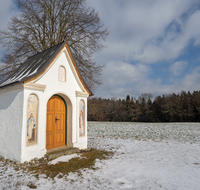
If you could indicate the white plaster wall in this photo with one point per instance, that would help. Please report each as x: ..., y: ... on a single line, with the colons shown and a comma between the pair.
x: 53, y: 86
x: 11, y: 116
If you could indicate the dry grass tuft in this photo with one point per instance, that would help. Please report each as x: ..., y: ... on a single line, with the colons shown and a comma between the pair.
x: 31, y: 185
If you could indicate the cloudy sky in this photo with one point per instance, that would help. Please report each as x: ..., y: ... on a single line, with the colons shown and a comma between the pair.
x: 153, y: 45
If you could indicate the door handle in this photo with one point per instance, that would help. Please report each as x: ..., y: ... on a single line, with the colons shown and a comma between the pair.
x: 56, y: 119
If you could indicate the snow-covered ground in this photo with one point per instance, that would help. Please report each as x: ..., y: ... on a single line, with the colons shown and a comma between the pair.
x: 147, y: 156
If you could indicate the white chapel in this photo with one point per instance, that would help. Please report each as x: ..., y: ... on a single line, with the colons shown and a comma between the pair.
x: 43, y: 106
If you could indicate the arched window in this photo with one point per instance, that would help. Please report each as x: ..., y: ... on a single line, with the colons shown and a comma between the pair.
x: 81, y: 118
x: 62, y: 74
x: 32, y: 120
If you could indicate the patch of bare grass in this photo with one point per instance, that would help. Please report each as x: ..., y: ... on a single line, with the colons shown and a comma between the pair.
x: 31, y: 185
x: 86, y: 160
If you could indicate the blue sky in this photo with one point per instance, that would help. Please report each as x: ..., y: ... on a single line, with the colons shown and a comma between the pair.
x: 153, y: 46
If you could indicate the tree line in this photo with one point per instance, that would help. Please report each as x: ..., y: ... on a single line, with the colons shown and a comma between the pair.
x: 181, y: 107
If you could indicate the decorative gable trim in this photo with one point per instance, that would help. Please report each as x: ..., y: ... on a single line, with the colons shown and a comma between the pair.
x: 34, y: 86
x: 74, y: 64
x: 82, y: 94
x: 74, y: 69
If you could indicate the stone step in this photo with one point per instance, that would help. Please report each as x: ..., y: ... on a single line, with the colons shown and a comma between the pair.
x: 57, y: 152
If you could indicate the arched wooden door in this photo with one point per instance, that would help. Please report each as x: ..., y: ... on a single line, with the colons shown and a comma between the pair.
x: 56, y: 123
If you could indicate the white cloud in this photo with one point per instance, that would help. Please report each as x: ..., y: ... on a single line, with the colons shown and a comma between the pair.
x: 189, y: 82
x: 118, y: 76
x: 121, y: 79
x: 178, y: 67
x: 170, y: 44
x: 147, y: 31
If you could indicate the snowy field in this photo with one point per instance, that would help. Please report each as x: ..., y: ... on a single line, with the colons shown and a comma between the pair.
x: 146, y: 156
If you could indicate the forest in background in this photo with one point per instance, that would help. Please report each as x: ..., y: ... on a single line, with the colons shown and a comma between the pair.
x: 181, y: 107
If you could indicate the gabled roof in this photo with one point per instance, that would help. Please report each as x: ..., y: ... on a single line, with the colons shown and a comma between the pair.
x: 37, y: 64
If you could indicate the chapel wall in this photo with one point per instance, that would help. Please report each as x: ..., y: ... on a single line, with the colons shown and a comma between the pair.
x: 11, y: 116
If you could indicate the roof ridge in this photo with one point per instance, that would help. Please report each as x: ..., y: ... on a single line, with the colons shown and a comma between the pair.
x: 45, y: 50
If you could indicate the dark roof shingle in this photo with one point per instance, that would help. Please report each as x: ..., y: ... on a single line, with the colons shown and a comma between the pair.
x: 33, y: 66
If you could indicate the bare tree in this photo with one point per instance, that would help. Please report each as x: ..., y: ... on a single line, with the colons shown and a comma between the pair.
x: 41, y: 24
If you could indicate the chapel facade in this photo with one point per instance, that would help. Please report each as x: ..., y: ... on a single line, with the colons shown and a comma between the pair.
x: 43, y: 106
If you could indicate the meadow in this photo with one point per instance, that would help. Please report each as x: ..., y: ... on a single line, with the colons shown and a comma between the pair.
x: 181, y: 132
x: 158, y: 156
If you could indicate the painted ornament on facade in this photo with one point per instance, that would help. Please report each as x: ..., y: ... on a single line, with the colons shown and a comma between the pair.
x: 82, y: 118
x: 32, y: 113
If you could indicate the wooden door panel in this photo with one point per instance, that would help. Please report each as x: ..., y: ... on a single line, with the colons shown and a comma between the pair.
x: 58, y: 138
x: 60, y: 130
x: 55, y: 131
x: 49, y: 130
x: 60, y: 141
x: 60, y: 106
x: 49, y: 141
x: 50, y: 122
x: 60, y: 125
x: 50, y: 105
